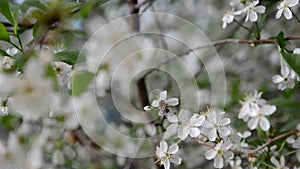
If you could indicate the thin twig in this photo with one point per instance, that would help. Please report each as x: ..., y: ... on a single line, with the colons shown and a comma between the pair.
x: 250, y: 152
x: 220, y: 42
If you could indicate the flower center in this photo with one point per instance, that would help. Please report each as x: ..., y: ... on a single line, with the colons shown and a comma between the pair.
x: 220, y: 152
x: 168, y: 155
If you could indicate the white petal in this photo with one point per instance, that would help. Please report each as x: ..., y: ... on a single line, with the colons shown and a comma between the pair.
x: 175, y: 159
x: 253, y: 16
x: 155, y: 103
x: 163, y: 95
x: 172, y: 101
x: 172, y: 118
x: 247, y: 16
x: 218, y: 162
x: 171, y: 129
x: 252, y: 123
x: 183, y: 132
x: 212, y: 135
x: 293, y: 2
x: 163, y: 145
x: 296, y: 51
x: 166, y: 163
x: 268, y: 109
x: 277, y: 79
x: 279, y: 13
x: 264, y: 124
x: 282, y: 161
x: 173, y: 148
x: 210, y: 154
x: 275, y: 161
x: 224, y: 131
x: 197, y: 120
x: 285, y: 71
x: 260, y: 9
x: 184, y: 115
x: 224, y: 122
x: 194, y: 132
x: 287, y: 13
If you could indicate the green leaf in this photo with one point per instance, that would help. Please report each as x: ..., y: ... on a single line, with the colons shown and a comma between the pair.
x: 86, y: 9
x: 6, y: 11
x: 292, y: 59
x: 81, y: 80
x: 280, y: 38
x: 3, y: 33
x: 261, y: 21
x: 283, y: 102
x: 50, y: 72
x: 70, y: 57
x: 3, y: 53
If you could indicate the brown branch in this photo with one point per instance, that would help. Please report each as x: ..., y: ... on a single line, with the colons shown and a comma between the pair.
x: 221, y: 42
x: 250, y: 152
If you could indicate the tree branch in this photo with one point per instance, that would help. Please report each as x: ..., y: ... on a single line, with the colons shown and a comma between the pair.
x: 250, y: 152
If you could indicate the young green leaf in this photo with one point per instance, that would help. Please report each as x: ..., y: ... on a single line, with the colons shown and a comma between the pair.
x: 6, y: 11
x: 280, y: 38
x: 292, y: 59
x: 69, y: 57
x: 3, y: 33
x: 81, y: 80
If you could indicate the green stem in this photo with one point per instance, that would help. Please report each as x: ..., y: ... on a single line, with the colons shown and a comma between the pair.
x: 241, y: 25
x: 20, y: 43
x: 16, y: 46
x: 295, y: 16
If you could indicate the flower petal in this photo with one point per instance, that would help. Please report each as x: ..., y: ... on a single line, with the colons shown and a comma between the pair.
x: 264, y: 124
x: 172, y: 118
x: 252, y: 123
x: 175, y: 159
x: 166, y: 163
x: 275, y: 162
x: 172, y: 101
x: 155, y: 103
x: 163, y: 145
x: 278, y: 13
x: 253, y: 16
x: 224, y: 122
x: 212, y: 135
x: 260, y: 9
x: 218, y: 162
x: 173, y: 148
x: 163, y: 95
x: 287, y: 13
x: 194, y: 132
x: 277, y: 79
x: 210, y: 154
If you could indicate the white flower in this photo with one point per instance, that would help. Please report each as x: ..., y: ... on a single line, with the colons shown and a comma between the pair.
x: 220, y: 154
x: 217, y: 125
x: 236, y: 163
x: 33, y: 94
x: 279, y: 165
x: 286, y: 79
x: 162, y: 102
x: 252, y: 10
x: 191, y: 128
x: 284, y: 7
x: 166, y: 154
x: 259, y: 118
x: 250, y: 105
x: 177, y: 123
x: 229, y: 16
x: 296, y: 51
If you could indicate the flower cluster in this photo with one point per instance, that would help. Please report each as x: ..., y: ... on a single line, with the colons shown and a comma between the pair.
x: 254, y: 111
x: 252, y: 9
x: 212, y: 129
